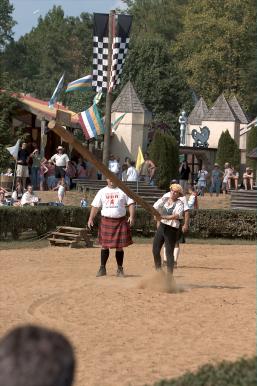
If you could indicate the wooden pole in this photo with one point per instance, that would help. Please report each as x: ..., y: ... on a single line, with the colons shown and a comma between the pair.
x: 85, y: 153
x: 108, y: 107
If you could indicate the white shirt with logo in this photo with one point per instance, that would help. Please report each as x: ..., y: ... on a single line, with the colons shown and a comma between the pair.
x: 60, y: 159
x: 113, y: 202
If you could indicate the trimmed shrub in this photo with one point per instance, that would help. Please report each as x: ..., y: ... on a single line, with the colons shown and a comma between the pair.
x: 251, y: 143
x: 239, y: 373
x: 204, y: 223
x: 228, y: 151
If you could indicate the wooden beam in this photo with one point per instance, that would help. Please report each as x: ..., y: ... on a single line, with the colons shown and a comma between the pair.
x: 86, y: 154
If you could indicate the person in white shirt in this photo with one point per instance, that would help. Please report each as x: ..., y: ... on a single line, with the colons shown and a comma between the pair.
x: 171, y: 210
x: 29, y: 198
x: 114, y: 165
x: 202, y: 177
x: 132, y: 174
x: 60, y: 159
x: 61, y: 189
x: 114, y: 227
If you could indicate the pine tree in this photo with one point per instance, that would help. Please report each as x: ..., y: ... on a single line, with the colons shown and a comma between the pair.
x: 164, y: 153
x: 251, y: 143
x: 228, y: 151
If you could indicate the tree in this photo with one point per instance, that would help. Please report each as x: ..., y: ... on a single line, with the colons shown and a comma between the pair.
x: 228, y: 151
x: 165, y: 154
x: 6, y: 23
x: 217, y: 49
x: 251, y: 143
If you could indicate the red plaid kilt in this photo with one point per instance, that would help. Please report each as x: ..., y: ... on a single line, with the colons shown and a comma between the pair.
x: 114, y: 232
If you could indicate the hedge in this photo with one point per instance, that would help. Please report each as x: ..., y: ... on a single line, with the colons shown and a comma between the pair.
x: 239, y: 373
x: 204, y: 223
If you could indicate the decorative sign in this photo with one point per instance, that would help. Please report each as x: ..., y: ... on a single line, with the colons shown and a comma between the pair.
x: 63, y: 118
x: 202, y: 137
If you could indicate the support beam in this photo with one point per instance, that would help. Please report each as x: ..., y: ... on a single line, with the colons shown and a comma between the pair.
x: 86, y: 154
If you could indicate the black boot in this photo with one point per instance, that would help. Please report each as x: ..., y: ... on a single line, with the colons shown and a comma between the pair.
x: 101, y: 271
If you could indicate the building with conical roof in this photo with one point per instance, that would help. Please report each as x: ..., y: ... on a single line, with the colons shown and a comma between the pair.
x: 195, y: 119
x: 132, y: 131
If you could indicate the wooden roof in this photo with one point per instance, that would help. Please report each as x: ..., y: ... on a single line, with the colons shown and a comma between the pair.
x: 198, y: 112
x: 128, y: 101
x: 221, y: 111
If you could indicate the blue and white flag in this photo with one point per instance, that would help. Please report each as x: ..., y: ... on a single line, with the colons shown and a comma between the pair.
x: 83, y: 84
x: 56, y: 92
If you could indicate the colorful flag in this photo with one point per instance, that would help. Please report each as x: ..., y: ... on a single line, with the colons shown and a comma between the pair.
x: 80, y: 84
x: 13, y: 150
x: 91, y: 122
x: 97, y: 98
x: 140, y: 159
x: 56, y: 92
x: 116, y: 123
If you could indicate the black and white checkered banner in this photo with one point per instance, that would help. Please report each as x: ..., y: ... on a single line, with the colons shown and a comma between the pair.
x: 122, y: 26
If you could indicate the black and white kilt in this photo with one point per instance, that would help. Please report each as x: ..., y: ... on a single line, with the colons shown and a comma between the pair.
x: 114, y: 233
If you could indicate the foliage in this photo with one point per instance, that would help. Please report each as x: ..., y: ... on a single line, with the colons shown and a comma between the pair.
x: 164, y: 153
x: 251, y: 143
x: 228, y: 151
x: 204, y: 223
x: 6, y: 22
x: 217, y: 49
x: 241, y: 372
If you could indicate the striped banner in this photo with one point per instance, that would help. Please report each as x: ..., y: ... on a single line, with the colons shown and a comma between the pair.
x: 80, y: 84
x: 91, y: 122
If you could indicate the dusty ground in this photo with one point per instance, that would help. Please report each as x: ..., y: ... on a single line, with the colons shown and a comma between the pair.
x: 125, y: 330
x: 73, y: 198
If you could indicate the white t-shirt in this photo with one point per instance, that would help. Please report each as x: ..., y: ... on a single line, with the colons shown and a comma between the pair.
x: 61, y: 191
x: 132, y: 174
x: 113, y: 202
x: 28, y: 198
x: 60, y: 159
x: 168, y: 209
x: 183, y: 199
x: 114, y: 166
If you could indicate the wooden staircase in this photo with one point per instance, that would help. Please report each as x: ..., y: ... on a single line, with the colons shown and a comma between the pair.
x: 70, y: 236
x: 244, y: 199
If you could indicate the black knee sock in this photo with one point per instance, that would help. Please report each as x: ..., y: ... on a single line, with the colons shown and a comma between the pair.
x: 104, y: 256
x: 119, y: 257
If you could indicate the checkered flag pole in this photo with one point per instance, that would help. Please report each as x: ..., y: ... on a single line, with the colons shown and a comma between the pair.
x: 122, y: 26
x: 120, y: 47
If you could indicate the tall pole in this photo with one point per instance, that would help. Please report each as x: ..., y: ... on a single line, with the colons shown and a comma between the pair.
x: 106, y: 149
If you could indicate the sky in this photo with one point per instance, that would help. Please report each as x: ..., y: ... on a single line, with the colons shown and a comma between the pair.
x: 27, y: 12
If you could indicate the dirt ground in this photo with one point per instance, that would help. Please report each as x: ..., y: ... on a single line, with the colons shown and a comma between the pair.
x: 126, y: 331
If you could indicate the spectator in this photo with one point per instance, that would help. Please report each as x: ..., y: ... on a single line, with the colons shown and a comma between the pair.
x: 42, y: 172
x: 17, y: 193
x: 192, y: 199
x: 50, y: 175
x: 61, y: 189
x: 35, y: 169
x: 81, y: 170
x: 8, y: 173
x: 184, y: 171
x: 227, y: 171
x: 22, y: 172
x: 60, y: 160
x: 36, y: 356
x: 29, y: 198
x: 71, y: 172
x: 216, y: 176
x: 124, y: 169
x: 147, y: 170
x: 132, y: 174
x: 233, y: 175
x: 91, y: 171
x: 114, y: 166
x: 202, y: 177
x: 248, y: 178
x: 84, y: 201
x: 3, y: 201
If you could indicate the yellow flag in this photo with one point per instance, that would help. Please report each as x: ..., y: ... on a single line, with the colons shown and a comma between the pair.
x: 140, y: 159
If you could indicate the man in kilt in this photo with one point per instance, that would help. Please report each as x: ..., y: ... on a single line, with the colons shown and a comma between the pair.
x: 114, y: 228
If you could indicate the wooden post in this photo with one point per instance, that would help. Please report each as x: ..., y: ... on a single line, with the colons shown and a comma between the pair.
x: 85, y: 153
x: 108, y: 107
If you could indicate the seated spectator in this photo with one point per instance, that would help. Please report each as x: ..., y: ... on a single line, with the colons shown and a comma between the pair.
x: 8, y: 173
x: 3, y: 201
x: 50, y: 175
x: 17, y: 193
x: 29, y: 198
x: 3, y: 190
x: 84, y: 201
x: 248, y: 178
x: 81, y: 171
x: 132, y: 174
x: 36, y: 356
x: 233, y: 176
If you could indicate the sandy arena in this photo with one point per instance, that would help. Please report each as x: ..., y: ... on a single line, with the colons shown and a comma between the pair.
x: 125, y: 330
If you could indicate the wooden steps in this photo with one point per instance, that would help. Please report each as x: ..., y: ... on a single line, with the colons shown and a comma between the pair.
x: 244, y: 199
x: 70, y: 236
